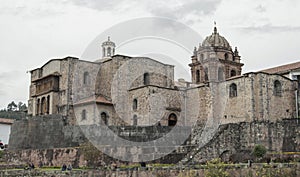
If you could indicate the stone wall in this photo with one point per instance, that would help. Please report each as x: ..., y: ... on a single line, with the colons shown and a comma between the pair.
x: 257, y: 170
x: 52, y: 132
x: 44, y: 132
x: 234, y: 138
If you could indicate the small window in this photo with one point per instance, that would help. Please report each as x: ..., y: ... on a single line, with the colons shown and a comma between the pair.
x: 83, y: 115
x: 226, y: 56
x: 146, y: 79
x: 86, y: 78
x: 277, y: 88
x: 104, y: 118
x: 172, y: 120
x: 232, y: 73
x: 198, y: 76
x: 134, y: 104
x: 233, y: 90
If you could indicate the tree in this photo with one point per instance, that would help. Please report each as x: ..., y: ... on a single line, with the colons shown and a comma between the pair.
x: 12, y: 106
x: 22, y: 106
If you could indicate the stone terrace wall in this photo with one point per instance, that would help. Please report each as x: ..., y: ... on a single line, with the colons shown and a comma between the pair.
x: 44, y: 132
x: 239, y: 138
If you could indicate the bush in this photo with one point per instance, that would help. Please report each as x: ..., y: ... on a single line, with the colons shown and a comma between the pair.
x: 259, y: 151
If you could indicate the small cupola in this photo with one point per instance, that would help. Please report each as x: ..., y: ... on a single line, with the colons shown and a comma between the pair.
x: 108, y: 48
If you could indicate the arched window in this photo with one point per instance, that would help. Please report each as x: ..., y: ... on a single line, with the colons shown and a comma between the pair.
x: 103, y: 52
x: 226, y: 56
x: 83, y: 114
x: 134, y: 104
x: 172, y: 120
x: 232, y: 73
x: 104, y: 118
x: 233, y: 90
x: 146, y: 79
x: 206, y: 74
x: 86, y: 78
x: 43, y: 106
x: 38, y: 107
x: 135, y: 120
x: 48, y: 104
x: 198, y: 76
x: 277, y: 88
x: 220, y: 74
x: 108, y: 51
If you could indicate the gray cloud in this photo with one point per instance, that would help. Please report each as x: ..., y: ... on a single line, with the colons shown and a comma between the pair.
x: 260, y: 8
x: 101, y: 5
x: 33, y: 9
x: 157, y: 7
x: 269, y: 28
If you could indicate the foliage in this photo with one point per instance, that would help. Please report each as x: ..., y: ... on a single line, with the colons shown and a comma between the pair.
x: 12, y: 106
x: 216, y: 168
x: 91, y: 154
x: 259, y: 151
x: 14, y: 111
x: 1, y: 154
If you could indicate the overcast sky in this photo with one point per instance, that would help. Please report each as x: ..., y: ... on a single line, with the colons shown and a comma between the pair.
x: 267, y: 33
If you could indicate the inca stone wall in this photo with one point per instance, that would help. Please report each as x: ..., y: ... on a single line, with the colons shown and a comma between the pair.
x: 234, y: 138
x: 44, y: 132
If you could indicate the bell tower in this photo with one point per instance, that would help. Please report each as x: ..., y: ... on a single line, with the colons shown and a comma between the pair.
x: 214, y: 60
x: 108, y: 48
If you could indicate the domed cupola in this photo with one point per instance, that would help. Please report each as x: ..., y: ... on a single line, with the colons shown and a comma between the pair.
x: 216, y: 40
x: 214, y: 60
x: 108, y: 48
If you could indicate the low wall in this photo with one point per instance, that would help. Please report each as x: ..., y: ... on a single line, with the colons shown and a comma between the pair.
x: 257, y: 171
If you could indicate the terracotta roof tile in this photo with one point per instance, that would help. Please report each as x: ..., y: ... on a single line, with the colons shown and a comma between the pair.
x: 6, y: 121
x: 282, y: 69
x: 99, y: 99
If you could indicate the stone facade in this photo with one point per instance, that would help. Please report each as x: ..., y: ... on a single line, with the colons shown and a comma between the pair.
x: 123, y: 91
x: 82, y: 91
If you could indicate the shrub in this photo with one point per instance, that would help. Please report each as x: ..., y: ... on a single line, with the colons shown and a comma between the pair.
x: 259, y: 151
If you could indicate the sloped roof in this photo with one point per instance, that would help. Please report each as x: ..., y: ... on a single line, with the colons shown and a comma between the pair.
x: 92, y: 99
x: 282, y: 69
x: 6, y: 121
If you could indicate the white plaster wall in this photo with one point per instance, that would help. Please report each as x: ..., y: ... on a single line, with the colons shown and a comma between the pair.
x: 4, y: 133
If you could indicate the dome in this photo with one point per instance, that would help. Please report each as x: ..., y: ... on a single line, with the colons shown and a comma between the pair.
x: 216, y: 40
x: 108, y: 43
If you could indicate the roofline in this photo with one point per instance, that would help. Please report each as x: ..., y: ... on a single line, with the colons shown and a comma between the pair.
x: 54, y: 59
x: 9, y: 121
x: 283, y: 71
